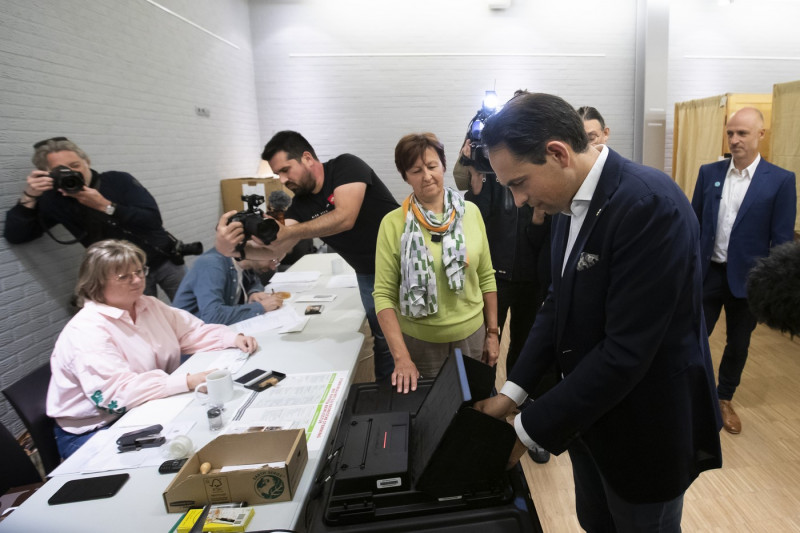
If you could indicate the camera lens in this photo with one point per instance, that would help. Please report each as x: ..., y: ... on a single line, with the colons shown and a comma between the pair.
x: 265, y: 229
x: 66, y: 179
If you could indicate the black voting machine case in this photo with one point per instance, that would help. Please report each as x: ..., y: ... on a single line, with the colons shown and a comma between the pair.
x: 422, y: 461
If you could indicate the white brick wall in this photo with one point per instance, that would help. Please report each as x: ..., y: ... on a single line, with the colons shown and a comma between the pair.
x: 356, y: 75
x: 746, y: 47
x: 122, y: 79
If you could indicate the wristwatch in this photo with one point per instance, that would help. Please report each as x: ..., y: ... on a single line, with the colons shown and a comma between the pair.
x: 110, y: 208
x: 496, y: 331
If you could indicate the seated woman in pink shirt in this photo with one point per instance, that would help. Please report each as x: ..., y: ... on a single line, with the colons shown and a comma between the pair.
x: 122, y: 347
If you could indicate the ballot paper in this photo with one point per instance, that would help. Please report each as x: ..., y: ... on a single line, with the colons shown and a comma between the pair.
x: 300, y: 401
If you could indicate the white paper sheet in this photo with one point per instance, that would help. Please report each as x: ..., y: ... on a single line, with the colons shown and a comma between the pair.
x: 342, y: 280
x: 162, y: 411
x: 278, y: 319
x: 300, y: 401
x: 99, y: 454
x: 231, y: 359
x: 315, y: 298
x: 292, y: 288
x: 295, y: 277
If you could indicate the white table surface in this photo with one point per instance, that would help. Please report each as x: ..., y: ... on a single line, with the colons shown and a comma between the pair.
x: 329, y: 342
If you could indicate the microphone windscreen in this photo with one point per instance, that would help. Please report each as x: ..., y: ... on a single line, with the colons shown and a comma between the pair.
x: 773, y: 288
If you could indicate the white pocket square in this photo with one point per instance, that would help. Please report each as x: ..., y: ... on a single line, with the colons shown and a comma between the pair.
x: 586, y: 261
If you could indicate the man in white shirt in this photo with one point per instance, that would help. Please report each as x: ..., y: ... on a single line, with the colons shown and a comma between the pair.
x: 745, y: 206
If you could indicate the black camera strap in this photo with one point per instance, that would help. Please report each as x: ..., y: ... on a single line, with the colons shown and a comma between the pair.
x: 42, y: 223
x: 112, y: 223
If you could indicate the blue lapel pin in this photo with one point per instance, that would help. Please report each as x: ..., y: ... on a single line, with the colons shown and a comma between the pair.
x: 716, y: 184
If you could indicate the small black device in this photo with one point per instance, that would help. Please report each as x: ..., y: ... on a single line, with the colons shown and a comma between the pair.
x: 172, y: 466
x: 254, y: 223
x: 259, y: 380
x: 66, y: 179
x: 148, y: 437
x: 93, y: 488
x: 313, y: 309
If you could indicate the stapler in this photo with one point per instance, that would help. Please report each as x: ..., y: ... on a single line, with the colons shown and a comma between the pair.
x: 148, y: 437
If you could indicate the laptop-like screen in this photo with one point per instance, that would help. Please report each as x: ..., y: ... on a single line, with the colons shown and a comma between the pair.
x: 448, y: 394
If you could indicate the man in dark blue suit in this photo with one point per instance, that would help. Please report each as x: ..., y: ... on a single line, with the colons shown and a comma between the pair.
x: 745, y: 206
x: 635, y: 407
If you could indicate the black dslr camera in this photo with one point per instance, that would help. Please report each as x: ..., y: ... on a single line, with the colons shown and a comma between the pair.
x: 254, y: 223
x: 178, y: 249
x: 66, y: 179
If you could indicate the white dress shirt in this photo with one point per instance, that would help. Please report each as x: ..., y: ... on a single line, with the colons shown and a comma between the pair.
x: 733, y: 191
x: 578, y: 209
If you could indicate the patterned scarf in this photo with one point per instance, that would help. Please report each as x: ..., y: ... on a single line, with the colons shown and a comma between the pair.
x: 417, y: 274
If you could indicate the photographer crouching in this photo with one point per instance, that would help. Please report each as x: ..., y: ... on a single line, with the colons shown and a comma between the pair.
x: 95, y: 206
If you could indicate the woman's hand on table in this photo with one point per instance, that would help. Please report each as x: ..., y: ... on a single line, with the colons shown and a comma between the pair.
x: 405, y: 375
x: 193, y: 380
x: 246, y: 344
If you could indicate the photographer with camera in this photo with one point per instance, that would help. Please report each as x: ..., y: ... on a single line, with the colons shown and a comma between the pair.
x: 95, y: 206
x: 219, y: 290
x: 341, y: 201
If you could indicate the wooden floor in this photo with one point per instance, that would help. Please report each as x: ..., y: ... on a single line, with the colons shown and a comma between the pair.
x: 758, y: 487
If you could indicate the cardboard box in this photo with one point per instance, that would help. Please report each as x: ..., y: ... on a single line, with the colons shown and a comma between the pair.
x: 190, y: 488
x: 234, y: 188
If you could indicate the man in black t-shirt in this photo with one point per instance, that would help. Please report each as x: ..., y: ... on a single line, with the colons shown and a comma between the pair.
x: 341, y: 201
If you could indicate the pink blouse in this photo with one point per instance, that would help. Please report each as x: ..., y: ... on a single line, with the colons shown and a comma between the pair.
x: 104, y: 364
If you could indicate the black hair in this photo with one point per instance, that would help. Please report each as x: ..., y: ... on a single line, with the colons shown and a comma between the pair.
x: 591, y: 113
x: 290, y: 142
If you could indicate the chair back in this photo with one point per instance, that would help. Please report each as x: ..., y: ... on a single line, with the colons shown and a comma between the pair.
x: 18, y: 469
x: 28, y: 396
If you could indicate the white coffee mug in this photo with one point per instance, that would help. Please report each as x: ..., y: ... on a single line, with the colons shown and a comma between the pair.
x: 218, y: 386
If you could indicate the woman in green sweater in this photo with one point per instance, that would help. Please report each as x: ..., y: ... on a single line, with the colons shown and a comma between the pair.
x: 434, y: 282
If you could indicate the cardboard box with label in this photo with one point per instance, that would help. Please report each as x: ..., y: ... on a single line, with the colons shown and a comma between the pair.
x: 276, y: 461
x: 234, y: 188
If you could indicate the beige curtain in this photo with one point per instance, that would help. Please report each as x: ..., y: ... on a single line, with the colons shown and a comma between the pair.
x: 697, y: 134
x: 785, y: 147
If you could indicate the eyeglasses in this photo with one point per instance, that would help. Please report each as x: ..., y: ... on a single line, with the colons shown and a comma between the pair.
x: 128, y: 278
x: 54, y: 139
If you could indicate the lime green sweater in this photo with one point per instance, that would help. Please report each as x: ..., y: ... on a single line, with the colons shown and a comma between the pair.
x: 459, y: 315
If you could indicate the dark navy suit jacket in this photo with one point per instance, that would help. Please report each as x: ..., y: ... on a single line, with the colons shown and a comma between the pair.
x: 765, y: 219
x: 625, y: 325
